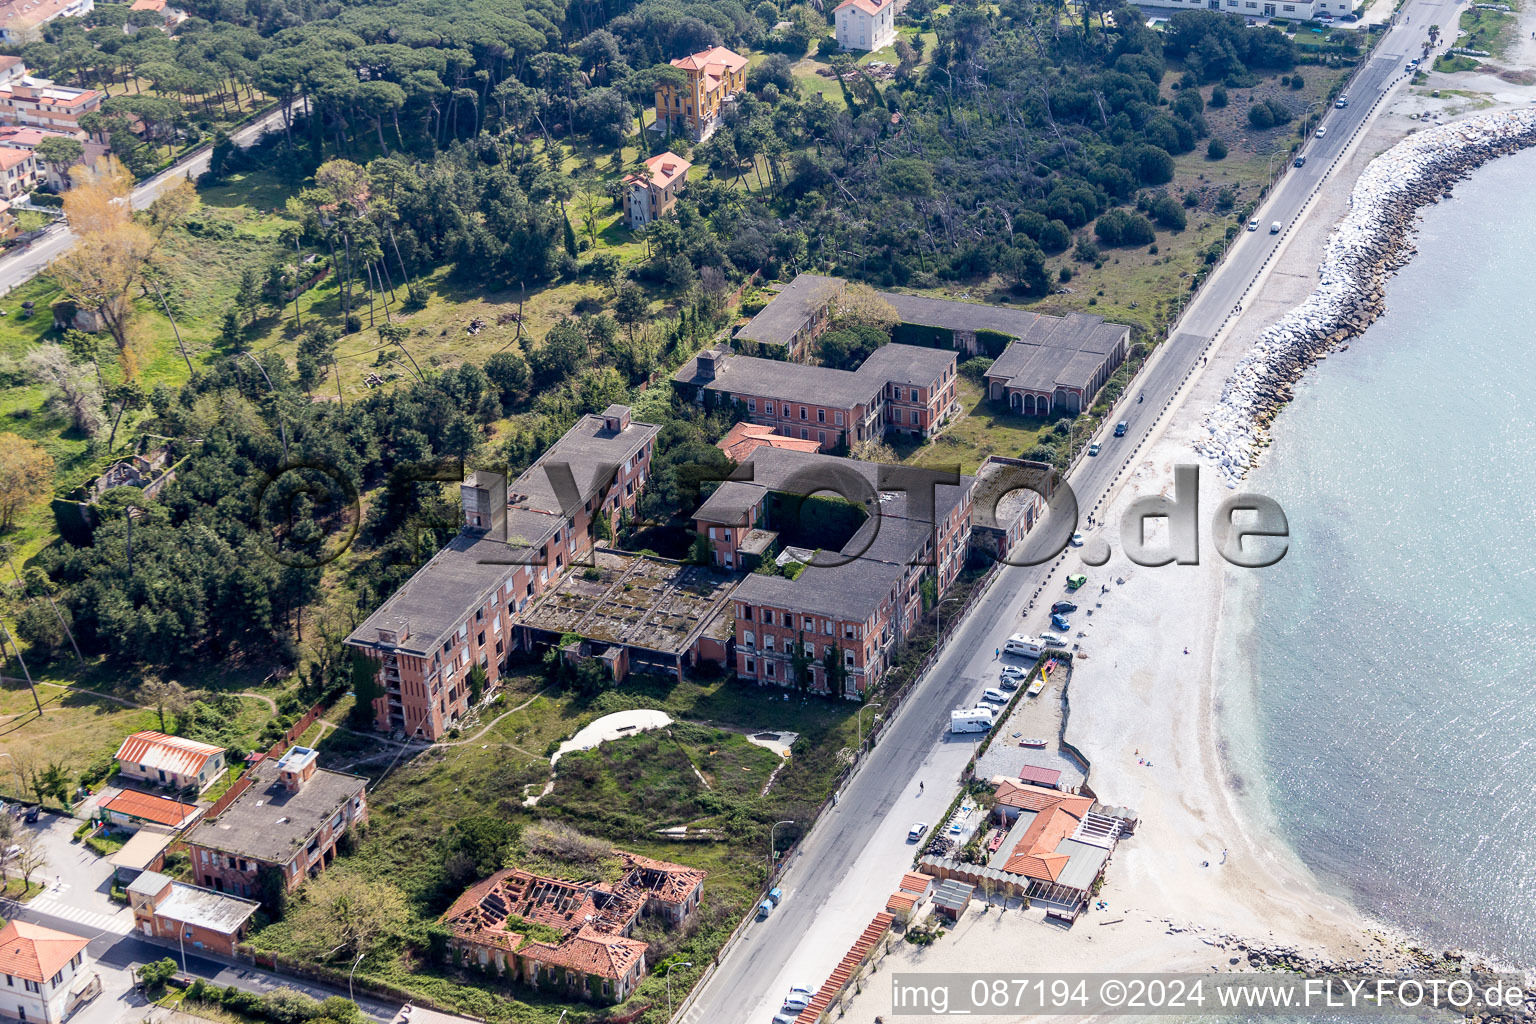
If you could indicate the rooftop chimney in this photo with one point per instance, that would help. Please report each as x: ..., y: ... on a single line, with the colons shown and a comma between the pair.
x: 484, y: 497
x: 616, y: 418
x: 296, y: 768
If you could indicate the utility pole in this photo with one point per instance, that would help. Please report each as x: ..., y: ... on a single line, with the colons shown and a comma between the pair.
x: 7, y: 638
x: 67, y: 631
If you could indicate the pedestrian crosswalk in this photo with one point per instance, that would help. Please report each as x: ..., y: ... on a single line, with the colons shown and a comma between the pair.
x: 120, y: 923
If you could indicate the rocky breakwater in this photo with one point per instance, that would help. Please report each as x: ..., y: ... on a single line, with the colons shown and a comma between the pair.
x: 1366, y: 248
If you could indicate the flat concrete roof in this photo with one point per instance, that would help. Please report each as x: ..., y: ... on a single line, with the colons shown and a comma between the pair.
x: 268, y: 823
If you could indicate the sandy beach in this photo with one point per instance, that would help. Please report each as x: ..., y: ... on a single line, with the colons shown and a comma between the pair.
x: 1205, y: 871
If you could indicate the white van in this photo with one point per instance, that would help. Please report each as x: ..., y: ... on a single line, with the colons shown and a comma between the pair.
x: 1274, y: 228
x: 1027, y: 646
x: 970, y: 720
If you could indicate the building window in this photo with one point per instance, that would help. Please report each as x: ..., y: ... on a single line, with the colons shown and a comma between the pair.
x: 768, y: 408
x: 838, y: 419
x: 803, y: 412
x: 751, y: 405
x: 821, y: 415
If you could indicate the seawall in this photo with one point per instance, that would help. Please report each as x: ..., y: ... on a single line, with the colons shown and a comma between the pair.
x: 1362, y: 252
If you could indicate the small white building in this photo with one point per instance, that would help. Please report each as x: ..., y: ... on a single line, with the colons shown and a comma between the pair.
x: 1289, y: 10
x: 865, y: 24
x: 46, y: 973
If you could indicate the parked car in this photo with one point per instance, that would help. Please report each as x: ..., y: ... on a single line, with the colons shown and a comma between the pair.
x: 1300, y: 161
x: 1094, y: 449
x: 917, y: 831
x: 992, y: 696
x: 1052, y: 640
x: 1076, y: 580
x: 1322, y: 131
x: 1011, y: 683
x: 1012, y: 672
x: 1341, y: 103
x: 1060, y: 622
x: 796, y: 1001
x: 1063, y: 606
x: 1077, y: 540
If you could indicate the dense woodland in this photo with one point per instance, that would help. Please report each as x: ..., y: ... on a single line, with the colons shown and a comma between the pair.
x: 418, y: 135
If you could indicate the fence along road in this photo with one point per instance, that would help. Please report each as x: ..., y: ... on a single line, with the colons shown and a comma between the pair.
x: 852, y: 859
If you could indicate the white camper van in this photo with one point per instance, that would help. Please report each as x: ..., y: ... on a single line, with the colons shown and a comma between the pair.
x: 970, y: 720
x: 1027, y: 646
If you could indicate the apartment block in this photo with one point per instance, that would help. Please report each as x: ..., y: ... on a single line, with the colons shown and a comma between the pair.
x: 903, y: 388
x: 288, y: 819
x: 833, y: 628
x: 518, y: 540
x: 41, y: 104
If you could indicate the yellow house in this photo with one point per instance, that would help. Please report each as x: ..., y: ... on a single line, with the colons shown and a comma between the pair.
x: 714, y: 77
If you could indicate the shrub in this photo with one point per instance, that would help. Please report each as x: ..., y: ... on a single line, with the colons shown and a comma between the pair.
x: 1064, y: 275
x: 1216, y: 150
x: 1297, y: 82
x: 1219, y: 96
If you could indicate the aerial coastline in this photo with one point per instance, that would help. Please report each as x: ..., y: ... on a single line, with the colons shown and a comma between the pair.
x: 1163, y: 706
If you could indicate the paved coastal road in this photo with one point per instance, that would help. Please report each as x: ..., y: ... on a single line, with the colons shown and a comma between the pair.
x: 23, y: 265
x: 854, y: 856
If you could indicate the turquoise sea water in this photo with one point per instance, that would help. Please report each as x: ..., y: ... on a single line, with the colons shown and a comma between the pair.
x: 1393, y: 650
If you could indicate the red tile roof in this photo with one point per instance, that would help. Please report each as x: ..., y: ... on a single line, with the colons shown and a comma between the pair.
x: 11, y: 157
x: 593, y: 915
x: 914, y: 881
x: 148, y: 5
x: 900, y: 902
x: 148, y: 807
x: 867, y: 6
x: 34, y: 952
x: 663, y: 169
x: 716, y: 60
x: 170, y: 753
x: 1056, y: 818
x: 745, y: 438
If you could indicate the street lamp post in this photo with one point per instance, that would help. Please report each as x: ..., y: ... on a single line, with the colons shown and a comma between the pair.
x: 181, y: 940
x: 350, y: 973
x: 771, y: 831
x: 938, y: 625
x: 685, y: 963
x: 860, y: 721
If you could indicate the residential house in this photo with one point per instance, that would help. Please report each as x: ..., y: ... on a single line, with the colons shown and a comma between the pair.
x: 865, y: 24
x: 55, y: 176
x: 712, y: 80
x: 172, y: 761
x: 189, y: 916
x: 40, y: 103
x: 900, y: 388
x: 170, y: 16
x: 46, y: 972
x: 18, y: 172
x: 653, y: 193
x: 289, y: 819
x: 11, y: 68
x: 8, y: 225
x: 21, y: 21
x: 518, y: 540
x: 504, y: 924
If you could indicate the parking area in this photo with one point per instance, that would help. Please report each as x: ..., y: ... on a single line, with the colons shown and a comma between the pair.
x: 79, y: 883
